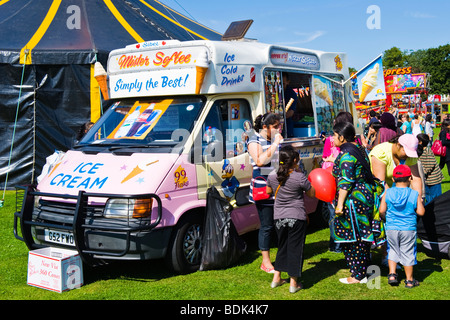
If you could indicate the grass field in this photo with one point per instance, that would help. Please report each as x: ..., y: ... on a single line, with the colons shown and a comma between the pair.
x: 245, y: 281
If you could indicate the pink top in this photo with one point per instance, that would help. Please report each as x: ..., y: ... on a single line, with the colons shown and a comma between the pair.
x: 329, y: 149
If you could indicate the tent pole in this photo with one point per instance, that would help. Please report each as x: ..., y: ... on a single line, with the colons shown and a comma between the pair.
x: 2, y: 201
x: 34, y: 134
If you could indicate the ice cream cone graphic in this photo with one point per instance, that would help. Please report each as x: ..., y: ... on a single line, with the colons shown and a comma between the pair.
x: 138, y: 170
x: 328, y: 100
x: 368, y: 82
x: 365, y: 90
x: 201, y: 72
x: 132, y: 174
x: 321, y: 91
x: 101, y: 77
x: 201, y: 69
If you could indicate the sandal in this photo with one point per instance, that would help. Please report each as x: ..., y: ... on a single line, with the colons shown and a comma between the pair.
x: 392, y: 281
x: 265, y: 269
x: 277, y: 284
x: 352, y: 280
x: 294, y: 289
x: 411, y: 283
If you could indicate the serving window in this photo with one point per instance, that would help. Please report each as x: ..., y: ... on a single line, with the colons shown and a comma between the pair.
x: 318, y: 99
x: 280, y: 87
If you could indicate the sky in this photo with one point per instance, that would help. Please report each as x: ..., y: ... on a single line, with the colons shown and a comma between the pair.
x: 363, y: 29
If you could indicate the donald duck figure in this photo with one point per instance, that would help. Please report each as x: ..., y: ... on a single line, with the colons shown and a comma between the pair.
x: 230, y: 183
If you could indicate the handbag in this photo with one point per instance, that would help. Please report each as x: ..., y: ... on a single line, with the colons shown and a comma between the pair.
x: 259, y: 193
x: 438, y: 149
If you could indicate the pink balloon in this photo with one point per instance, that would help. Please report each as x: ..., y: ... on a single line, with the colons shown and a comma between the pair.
x: 323, y: 182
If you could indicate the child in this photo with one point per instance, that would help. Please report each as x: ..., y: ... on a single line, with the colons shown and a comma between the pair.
x: 399, y: 205
x: 432, y: 173
x: 288, y: 186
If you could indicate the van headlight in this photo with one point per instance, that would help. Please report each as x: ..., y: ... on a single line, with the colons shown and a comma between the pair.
x: 128, y: 208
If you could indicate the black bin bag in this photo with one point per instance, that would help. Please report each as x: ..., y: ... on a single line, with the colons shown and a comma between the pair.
x: 222, y: 245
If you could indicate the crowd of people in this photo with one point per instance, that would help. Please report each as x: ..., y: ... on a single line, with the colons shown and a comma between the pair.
x: 389, y: 171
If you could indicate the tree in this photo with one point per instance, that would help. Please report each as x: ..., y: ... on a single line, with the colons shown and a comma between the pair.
x: 393, y: 58
x: 436, y: 62
x: 415, y: 60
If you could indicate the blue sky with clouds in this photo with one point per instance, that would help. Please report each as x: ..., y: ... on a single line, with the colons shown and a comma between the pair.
x: 330, y: 25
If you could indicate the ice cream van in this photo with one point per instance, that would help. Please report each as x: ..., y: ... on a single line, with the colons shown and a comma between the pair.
x: 134, y: 188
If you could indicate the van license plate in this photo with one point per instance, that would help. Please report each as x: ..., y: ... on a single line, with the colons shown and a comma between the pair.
x: 65, y: 238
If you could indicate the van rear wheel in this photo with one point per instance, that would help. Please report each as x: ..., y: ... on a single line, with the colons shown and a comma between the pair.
x: 185, y: 250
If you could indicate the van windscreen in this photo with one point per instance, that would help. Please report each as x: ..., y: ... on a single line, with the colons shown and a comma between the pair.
x: 157, y: 121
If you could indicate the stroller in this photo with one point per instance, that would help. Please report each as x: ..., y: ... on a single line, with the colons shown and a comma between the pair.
x: 434, y: 227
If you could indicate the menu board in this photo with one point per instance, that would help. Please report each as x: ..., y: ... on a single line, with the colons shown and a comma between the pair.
x: 329, y: 101
x: 273, y: 89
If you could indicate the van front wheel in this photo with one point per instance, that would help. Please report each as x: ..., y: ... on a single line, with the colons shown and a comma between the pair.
x: 185, y: 250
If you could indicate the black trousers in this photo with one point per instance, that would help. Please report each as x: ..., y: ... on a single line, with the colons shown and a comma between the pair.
x: 291, y: 235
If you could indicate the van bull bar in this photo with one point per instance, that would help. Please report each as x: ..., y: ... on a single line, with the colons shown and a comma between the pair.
x: 82, y: 221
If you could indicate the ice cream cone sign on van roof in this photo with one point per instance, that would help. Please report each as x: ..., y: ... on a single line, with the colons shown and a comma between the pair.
x: 101, y: 77
x: 201, y: 67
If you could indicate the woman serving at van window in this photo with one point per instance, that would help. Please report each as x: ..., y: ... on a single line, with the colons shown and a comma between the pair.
x: 262, y: 147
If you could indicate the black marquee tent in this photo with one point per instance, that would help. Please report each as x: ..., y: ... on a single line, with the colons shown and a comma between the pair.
x: 48, y: 49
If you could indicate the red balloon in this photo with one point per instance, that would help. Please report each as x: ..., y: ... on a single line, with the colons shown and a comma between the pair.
x: 323, y: 182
